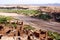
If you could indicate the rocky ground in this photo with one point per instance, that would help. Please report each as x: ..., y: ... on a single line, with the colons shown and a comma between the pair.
x: 38, y: 24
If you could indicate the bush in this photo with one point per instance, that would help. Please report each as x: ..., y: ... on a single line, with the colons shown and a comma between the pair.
x: 54, y: 35
x: 4, y: 19
x: 45, y: 16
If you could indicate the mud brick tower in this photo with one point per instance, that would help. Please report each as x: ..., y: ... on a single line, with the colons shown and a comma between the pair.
x: 20, y: 28
x: 43, y: 35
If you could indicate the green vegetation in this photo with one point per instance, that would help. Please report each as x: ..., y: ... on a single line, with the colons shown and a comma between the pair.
x: 33, y: 13
x: 26, y: 12
x: 3, y: 19
x: 45, y: 16
x: 54, y: 35
x: 28, y: 27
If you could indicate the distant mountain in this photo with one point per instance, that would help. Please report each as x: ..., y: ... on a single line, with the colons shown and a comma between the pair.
x: 55, y: 4
x: 49, y: 4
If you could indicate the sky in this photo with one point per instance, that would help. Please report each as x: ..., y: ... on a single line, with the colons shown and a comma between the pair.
x: 28, y: 1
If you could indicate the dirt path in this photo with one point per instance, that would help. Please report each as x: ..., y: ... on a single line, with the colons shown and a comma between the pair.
x: 40, y: 24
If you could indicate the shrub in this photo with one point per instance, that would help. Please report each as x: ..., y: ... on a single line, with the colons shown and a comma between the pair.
x: 3, y: 19
x: 54, y: 35
x: 45, y: 16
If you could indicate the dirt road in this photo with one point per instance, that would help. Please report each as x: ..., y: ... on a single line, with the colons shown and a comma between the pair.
x: 40, y: 24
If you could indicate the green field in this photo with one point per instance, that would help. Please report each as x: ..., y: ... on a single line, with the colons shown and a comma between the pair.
x: 33, y: 13
x: 26, y: 12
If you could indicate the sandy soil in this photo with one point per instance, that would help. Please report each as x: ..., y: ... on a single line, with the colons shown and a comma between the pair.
x: 9, y: 14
